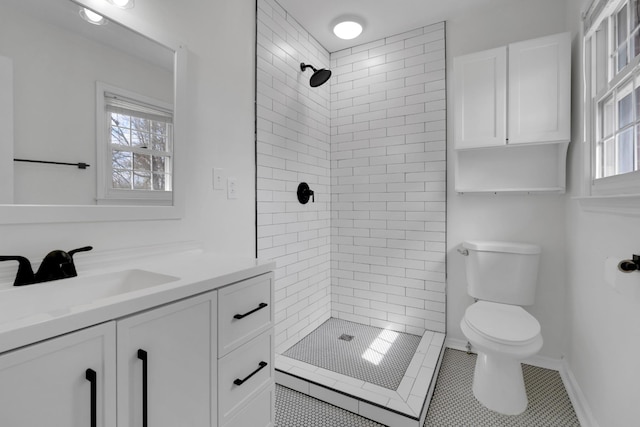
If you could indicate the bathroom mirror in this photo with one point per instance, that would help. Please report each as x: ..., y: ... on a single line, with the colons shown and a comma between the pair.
x: 102, y: 98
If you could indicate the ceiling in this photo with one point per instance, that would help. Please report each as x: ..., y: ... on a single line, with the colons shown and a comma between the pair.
x: 382, y: 18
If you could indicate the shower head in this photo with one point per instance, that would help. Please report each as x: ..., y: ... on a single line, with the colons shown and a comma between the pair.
x: 319, y: 77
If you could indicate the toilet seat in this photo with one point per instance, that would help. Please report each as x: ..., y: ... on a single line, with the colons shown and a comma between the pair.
x: 502, y: 323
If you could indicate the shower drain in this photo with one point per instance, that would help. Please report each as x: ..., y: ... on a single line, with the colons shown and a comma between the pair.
x: 345, y: 337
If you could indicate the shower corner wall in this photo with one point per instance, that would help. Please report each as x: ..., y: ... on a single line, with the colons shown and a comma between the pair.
x: 293, y: 146
x: 370, y: 248
x: 371, y: 144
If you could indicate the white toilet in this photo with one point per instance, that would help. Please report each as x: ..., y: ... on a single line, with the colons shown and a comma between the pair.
x: 502, y: 276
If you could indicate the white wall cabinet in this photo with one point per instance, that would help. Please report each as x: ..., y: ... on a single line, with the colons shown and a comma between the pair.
x: 513, y: 116
x: 540, y: 90
x: 176, y: 344
x: 46, y: 384
x: 480, y: 88
x: 163, y: 367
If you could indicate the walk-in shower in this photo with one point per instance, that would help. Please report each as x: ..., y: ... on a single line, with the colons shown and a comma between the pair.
x: 365, y: 259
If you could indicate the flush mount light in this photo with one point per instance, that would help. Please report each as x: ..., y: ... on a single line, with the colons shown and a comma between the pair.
x: 122, y: 4
x: 91, y: 17
x: 347, y: 29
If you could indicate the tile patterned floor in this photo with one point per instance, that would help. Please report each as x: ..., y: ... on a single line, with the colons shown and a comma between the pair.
x: 402, y: 406
x: 373, y: 355
x: 295, y: 409
x: 452, y: 404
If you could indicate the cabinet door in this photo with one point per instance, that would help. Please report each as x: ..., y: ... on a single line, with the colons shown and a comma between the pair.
x: 480, y: 96
x: 46, y: 384
x: 540, y: 90
x: 179, y: 343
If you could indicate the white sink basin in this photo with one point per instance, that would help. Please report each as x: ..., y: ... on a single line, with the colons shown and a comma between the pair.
x: 59, y: 297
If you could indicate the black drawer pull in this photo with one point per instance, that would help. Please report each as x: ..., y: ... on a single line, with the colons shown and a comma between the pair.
x: 260, y: 307
x: 92, y: 377
x: 238, y: 381
x: 142, y: 355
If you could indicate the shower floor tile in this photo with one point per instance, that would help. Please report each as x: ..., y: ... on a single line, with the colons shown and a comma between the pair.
x: 453, y: 403
x: 403, y: 407
x: 370, y: 354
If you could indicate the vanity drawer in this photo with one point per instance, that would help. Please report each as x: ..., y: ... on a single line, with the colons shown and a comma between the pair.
x: 260, y: 412
x: 243, y: 374
x: 245, y: 310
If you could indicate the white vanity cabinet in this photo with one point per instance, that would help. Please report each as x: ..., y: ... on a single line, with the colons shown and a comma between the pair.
x: 246, y: 381
x: 512, y: 119
x: 51, y: 383
x: 199, y: 360
x: 176, y: 345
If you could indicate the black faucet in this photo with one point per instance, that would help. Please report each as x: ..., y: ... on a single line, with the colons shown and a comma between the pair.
x: 56, y: 265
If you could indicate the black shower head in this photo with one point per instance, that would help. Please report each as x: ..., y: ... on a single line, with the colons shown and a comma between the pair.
x: 319, y: 77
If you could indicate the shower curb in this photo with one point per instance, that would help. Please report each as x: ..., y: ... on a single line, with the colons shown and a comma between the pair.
x: 390, y: 407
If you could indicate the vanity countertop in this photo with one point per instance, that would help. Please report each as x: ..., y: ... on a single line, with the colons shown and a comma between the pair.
x: 189, y: 273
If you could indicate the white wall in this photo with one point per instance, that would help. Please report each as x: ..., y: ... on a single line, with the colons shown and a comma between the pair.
x: 536, y: 219
x: 602, y: 324
x: 219, y: 113
x: 590, y: 324
x: 293, y: 147
x: 388, y: 191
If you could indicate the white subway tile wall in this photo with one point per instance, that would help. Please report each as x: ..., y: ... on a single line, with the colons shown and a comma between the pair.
x: 293, y: 146
x: 388, y: 182
x: 371, y: 144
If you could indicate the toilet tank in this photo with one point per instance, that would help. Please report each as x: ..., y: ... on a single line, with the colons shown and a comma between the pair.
x: 504, y: 272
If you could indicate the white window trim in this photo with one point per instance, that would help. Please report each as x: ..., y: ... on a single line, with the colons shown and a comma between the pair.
x: 619, y: 194
x: 106, y: 195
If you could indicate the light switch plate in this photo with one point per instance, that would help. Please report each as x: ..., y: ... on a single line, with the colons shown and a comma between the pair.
x: 232, y: 188
x: 218, y: 179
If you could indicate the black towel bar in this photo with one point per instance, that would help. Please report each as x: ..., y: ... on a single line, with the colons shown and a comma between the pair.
x: 80, y: 165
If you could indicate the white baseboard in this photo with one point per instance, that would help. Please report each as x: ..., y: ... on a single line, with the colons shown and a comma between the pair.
x: 455, y: 344
x: 580, y: 405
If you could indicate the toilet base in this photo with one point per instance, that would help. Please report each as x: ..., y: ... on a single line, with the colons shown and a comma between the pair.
x: 499, y: 385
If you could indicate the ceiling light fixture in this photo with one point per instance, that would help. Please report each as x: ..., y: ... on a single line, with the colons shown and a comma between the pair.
x: 122, y: 4
x: 347, y: 29
x: 91, y: 17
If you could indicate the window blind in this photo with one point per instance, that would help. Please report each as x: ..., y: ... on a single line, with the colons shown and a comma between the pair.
x: 120, y: 105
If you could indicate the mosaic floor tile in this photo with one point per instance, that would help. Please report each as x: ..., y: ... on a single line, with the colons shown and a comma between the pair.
x: 294, y: 409
x: 373, y: 355
x: 452, y: 404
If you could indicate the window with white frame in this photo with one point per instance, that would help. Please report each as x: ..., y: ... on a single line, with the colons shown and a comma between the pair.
x: 135, y: 137
x: 612, y: 92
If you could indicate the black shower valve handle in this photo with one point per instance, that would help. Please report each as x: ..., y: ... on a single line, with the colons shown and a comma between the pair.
x: 305, y: 193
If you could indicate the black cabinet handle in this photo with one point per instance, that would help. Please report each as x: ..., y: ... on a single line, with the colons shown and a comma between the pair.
x: 142, y: 355
x: 260, y: 307
x: 238, y: 381
x: 92, y: 377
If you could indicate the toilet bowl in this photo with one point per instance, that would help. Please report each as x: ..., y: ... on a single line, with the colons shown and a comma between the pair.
x: 502, y: 335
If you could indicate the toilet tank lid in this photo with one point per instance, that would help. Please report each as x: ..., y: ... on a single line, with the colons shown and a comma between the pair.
x: 508, y: 247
